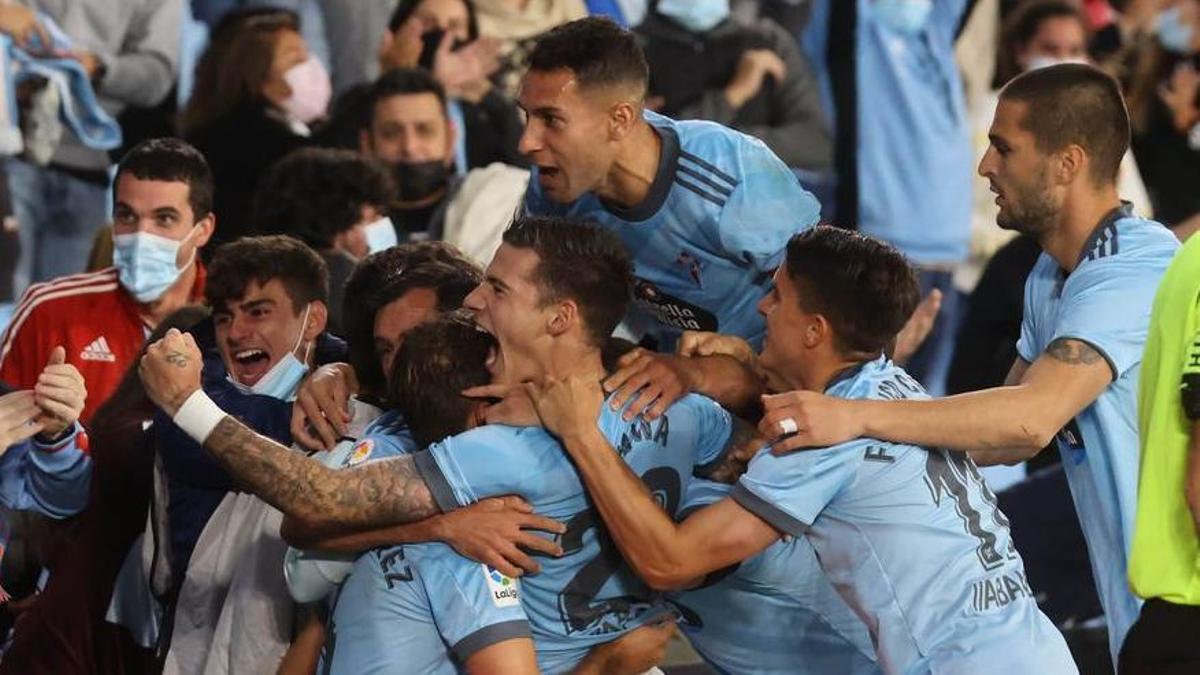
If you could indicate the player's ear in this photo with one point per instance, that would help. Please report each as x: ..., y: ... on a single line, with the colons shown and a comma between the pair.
x: 817, y: 330
x: 621, y: 119
x: 566, y: 315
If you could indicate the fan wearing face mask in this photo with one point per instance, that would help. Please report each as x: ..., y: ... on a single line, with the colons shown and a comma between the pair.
x: 336, y: 202
x: 410, y: 130
x: 258, y: 93
x: 442, y: 37
x: 162, y: 218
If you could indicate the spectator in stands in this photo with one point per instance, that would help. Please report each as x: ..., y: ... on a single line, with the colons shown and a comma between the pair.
x: 130, y: 49
x: 705, y: 65
x: 1164, y: 106
x: 268, y: 330
x: 257, y: 90
x: 410, y: 130
x: 162, y: 217
x: 902, y: 130
x: 517, y: 24
x: 1166, y: 539
x: 336, y: 202
x: 70, y: 611
x: 442, y: 37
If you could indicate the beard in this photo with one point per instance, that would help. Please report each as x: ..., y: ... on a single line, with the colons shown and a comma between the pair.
x: 1029, y: 208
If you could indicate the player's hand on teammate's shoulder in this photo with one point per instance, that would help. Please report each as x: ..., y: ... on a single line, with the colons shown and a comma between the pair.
x: 652, y: 381
x: 170, y: 370
x: 567, y: 405
x: 795, y: 420
x: 498, y: 532
x: 693, y: 344
x: 321, y: 414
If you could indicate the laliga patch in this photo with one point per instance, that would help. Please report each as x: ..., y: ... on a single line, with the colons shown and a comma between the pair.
x: 503, y: 588
x: 361, y: 452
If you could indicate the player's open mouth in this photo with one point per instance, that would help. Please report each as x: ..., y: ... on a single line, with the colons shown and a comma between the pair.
x: 548, y: 173
x: 249, y: 365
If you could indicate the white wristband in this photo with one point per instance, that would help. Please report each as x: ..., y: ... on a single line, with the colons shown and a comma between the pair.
x: 198, y: 416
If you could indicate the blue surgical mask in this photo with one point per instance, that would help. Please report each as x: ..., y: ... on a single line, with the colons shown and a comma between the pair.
x: 146, y: 263
x: 903, y: 16
x: 380, y: 235
x: 1174, y: 34
x: 282, y: 380
x: 697, y: 16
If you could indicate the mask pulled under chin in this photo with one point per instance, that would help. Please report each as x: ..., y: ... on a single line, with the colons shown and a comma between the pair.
x: 418, y: 180
x: 283, y: 378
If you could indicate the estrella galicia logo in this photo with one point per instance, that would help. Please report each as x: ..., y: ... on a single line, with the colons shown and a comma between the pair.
x: 670, y: 310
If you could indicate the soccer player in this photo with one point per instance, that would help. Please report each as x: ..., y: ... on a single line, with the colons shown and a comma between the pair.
x: 1056, y: 144
x: 910, y: 536
x: 409, y: 608
x: 770, y: 615
x: 704, y: 210
x: 1166, y: 543
x: 553, y: 294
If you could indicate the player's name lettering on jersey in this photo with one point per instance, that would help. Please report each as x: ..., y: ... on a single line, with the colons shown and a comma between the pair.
x: 641, y: 430
x: 672, y: 311
x: 999, y: 591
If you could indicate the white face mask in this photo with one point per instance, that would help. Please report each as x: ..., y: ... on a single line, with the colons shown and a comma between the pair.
x: 282, y: 380
x: 146, y: 263
x: 380, y: 235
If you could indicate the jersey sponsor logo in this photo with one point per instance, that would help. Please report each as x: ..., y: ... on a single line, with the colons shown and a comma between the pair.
x: 670, y: 310
x: 361, y: 452
x: 999, y: 591
x: 98, y: 351
x: 505, y: 592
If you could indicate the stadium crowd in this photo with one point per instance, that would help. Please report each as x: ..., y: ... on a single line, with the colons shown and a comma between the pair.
x: 617, y: 336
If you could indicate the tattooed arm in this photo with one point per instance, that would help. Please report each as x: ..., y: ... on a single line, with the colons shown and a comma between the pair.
x: 373, y: 494
x: 1003, y: 424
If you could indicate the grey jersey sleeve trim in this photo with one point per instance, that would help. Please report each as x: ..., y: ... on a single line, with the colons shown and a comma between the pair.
x: 774, y: 516
x: 488, y: 636
x: 439, y: 487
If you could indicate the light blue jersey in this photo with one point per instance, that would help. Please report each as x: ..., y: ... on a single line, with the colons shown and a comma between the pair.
x: 588, y: 596
x: 1106, y: 303
x: 708, y: 235
x: 913, y: 541
x: 51, y: 480
x: 774, y: 614
x: 313, y: 575
x: 419, y: 609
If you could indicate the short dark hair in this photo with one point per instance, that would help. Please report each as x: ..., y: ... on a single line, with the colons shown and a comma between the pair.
x: 581, y: 262
x: 599, y: 53
x: 438, y: 360
x: 862, y: 286
x: 387, y: 275
x: 406, y: 8
x: 315, y: 194
x: 1074, y: 103
x: 172, y: 160
x: 405, y: 82
x: 260, y: 259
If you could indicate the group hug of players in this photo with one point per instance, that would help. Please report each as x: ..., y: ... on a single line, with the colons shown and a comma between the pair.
x: 737, y: 478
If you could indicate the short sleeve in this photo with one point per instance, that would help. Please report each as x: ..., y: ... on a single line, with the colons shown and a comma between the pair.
x: 713, y: 427
x: 766, y: 208
x: 490, y: 461
x: 473, y: 605
x: 1107, y: 304
x: 789, y: 492
x: 1027, y: 342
